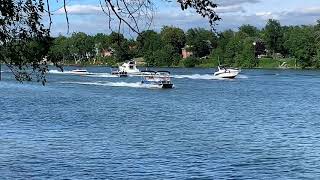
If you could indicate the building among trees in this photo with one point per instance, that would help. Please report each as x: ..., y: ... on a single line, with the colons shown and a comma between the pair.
x: 185, y: 53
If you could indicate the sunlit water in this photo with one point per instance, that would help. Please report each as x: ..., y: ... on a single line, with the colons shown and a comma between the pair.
x: 263, y: 125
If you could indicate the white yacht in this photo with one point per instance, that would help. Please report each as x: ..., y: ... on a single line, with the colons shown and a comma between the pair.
x: 129, y: 67
x: 224, y: 72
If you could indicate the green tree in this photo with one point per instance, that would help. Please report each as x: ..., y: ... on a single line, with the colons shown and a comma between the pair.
x: 59, y: 49
x: 120, y: 45
x: 233, y: 50
x: 190, y: 62
x: 21, y: 22
x: 24, y: 42
x: 247, y: 55
x: 201, y: 41
x: 316, y: 59
x: 82, y: 47
x: 301, y: 44
x: 102, y: 41
x: 249, y: 30
x: 174, y: 37
x: 273, y: 35
x: 148, y: 41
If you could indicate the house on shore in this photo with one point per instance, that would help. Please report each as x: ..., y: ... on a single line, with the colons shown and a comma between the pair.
x: 107, y: 52
x: 186, y: 52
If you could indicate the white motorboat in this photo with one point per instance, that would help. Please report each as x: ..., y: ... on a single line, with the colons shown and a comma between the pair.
x: 79, y: 72
x: 224, y: 72
x: 160, y: 79
x: 129, y: 67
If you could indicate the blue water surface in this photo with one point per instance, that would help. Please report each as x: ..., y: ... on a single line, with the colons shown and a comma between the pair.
x: 265, y: 124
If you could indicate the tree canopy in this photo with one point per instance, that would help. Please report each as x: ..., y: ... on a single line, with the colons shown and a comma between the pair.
x: 22, y: 32
x: 24, y: 41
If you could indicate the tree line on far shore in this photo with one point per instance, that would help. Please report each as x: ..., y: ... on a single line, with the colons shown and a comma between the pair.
x: 195, y: 47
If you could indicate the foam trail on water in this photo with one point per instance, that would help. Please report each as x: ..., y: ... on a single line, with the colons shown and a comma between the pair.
x: 115, y: 84
x: 59, y: 72
x: 102, y: 75
x: 194, y: 76
x: 241, y: 76
x: 204, y: 77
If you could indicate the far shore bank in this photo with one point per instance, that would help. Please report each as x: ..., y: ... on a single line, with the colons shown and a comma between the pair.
x: 263, y: 63
x: 204, y: 67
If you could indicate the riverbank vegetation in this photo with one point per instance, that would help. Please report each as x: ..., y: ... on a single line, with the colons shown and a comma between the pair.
x: 270, y: 47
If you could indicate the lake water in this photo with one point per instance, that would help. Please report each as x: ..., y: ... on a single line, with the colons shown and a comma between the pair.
x: 263, y: 125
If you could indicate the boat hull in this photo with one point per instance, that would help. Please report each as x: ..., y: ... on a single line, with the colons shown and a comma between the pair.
x: 79, y: 72
x: 160, y: 85
x: 119, y: 74
x: 229, y: 74
x: 167, y: 86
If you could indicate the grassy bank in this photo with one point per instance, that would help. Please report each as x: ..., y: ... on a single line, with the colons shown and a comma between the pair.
x: 269, y: 63
x: 263, y: 63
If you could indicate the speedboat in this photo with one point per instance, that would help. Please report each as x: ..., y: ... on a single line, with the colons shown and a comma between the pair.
x: 224, y: 72
x: 119, y: 73
x: 79, y: 72
x: 159, y: 79
x: 129, y: 67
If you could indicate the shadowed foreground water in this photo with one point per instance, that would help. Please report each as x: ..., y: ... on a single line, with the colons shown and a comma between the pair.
x: 263, y: 125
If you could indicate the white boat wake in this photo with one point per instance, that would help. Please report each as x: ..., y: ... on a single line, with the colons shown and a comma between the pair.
x: 101, y: 75
x: 98, y: 75
x: 59, y: 72
x: 116, y: 84
x: 194, y: 76
x: 205, y: 77
x: 241, y: 76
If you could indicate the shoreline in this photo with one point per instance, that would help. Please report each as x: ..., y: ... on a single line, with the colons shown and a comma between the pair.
x: 197, y: 67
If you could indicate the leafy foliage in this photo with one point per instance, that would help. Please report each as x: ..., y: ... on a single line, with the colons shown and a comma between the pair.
x: 235, y: 48
x: 22, y: 29
x: 173, y: 36
x: 24, y: 40
x: 190, y: 62
x: 273, y: 35
x: 300, y: 43
x: 201, y: 41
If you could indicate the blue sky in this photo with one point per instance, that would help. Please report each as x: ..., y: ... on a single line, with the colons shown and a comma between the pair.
x: 86, y: 15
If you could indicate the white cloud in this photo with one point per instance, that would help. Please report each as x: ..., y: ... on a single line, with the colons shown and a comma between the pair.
x: 230, y: 9
x: 235, y: 2
x: 307, y: 11
x: 267, y: 15
x: 233, y: 14
x: 81, y: 9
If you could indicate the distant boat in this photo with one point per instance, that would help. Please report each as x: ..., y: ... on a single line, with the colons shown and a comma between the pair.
x: 129, y: 67
x: 160, y: 79
x: 79, y: 72
x: 224, y: 72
